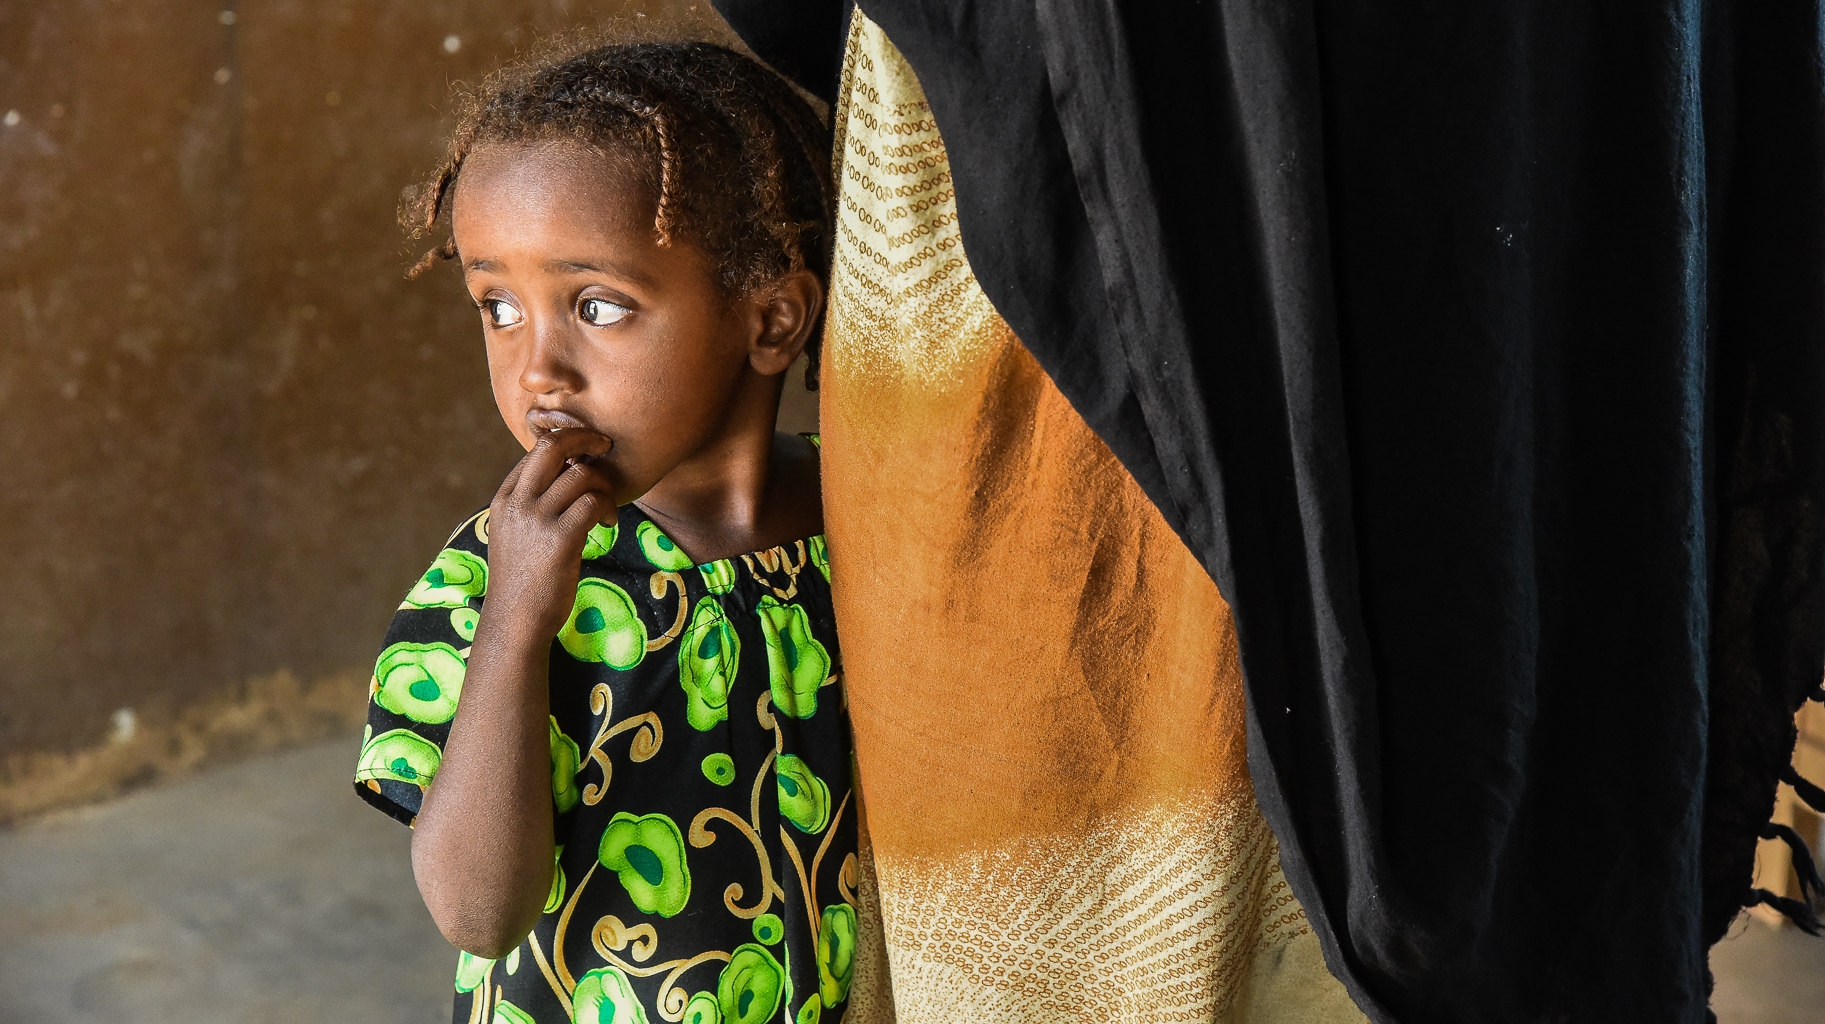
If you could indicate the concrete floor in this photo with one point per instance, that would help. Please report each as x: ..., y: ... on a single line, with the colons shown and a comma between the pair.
x: 264, y: 891
x: 1768, y: 975
x: 267, y: 892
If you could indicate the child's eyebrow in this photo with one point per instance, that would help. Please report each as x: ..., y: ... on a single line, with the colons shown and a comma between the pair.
x: 580, y: 267
x: 488, y: 266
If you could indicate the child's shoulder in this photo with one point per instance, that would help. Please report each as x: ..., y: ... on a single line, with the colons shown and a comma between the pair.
x: 472, y: 533
x: 458, y: 575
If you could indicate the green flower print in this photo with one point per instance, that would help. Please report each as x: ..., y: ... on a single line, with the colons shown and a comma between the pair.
x: 400, y: 755
x: 820, y: 556
x: 811, y: 1011
x: 659, y: 549
x: 454, y: 577
x: 804, y: 800
x: 470, y: 970
x: 718, y: 576
x: 512, y: 963
x: 600, y: 540
x: 749, y: 989
x: 647, y: 854
x: 419, y: 681
x: 566, y: 762
x: 507, y: 1013
x: 769, y: 929
x: 603, y: 626
x: 706, y: 665
x: 796, y: 663
x: 463, y: 620
x: 836, y: 953
x: 719, y: 768
x: 604, y: 996
x: 555, y: 898
x: 702, y: 1009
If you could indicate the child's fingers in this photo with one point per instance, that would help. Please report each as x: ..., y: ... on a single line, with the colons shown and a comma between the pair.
x: 573, y: 484
x: 513, y: 478
x: 549, y: 456
x: 588, y: 509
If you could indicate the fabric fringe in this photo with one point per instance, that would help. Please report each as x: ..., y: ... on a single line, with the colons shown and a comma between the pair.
x: 1810, y: 884
x: 1808, y: 791
x: 1799, y: 913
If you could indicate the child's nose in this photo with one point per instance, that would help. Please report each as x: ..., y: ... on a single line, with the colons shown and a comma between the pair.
x: 547, y: 369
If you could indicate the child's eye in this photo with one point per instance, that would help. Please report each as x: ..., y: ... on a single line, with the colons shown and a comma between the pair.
x: 600, y: 312
x: 500, y: 313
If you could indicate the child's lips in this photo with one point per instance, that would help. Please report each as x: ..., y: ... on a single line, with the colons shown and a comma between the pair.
x: 546, y: 420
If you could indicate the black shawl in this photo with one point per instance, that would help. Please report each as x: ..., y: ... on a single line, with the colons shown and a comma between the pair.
x: 1478, y: 351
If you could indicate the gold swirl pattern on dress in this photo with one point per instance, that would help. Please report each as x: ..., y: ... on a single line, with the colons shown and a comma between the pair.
x: 610, y: 933
x: 660, y: 583
x: 650, y: 735
x: 777, y: 560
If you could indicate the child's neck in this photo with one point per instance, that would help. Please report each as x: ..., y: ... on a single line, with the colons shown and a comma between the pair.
x: 749, y: 490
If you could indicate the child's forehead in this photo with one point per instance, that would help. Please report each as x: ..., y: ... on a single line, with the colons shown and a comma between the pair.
x: 569, y: 169
x: 547, y: 207
x: 517, y: 192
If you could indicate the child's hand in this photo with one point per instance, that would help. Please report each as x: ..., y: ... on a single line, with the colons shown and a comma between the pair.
x: 537, y: 525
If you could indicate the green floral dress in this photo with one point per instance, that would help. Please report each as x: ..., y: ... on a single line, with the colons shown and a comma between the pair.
x: 700, y: 773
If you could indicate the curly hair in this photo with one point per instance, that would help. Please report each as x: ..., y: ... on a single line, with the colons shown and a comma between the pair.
x: 737, y: 163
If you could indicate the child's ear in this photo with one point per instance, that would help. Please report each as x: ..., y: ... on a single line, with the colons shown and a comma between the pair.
x: 788, y: 307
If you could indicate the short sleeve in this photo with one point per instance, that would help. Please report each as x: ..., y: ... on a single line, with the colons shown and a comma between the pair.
x: 418, y: 677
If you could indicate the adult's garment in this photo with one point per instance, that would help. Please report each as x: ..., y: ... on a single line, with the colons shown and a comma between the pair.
x: 1048, y: 714
x: 1477, y: 351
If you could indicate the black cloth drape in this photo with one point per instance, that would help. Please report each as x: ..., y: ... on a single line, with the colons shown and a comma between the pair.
x: 1478, y: 351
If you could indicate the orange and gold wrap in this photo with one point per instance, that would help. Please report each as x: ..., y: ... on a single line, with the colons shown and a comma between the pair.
x: 1047, y: 702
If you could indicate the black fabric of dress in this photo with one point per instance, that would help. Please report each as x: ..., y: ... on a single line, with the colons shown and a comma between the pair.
x: 1478, y: 351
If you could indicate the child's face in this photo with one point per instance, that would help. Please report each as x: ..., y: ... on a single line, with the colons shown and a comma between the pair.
x: 589, y: 322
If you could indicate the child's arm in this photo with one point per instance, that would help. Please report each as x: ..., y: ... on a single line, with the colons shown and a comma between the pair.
x: 482, y: 848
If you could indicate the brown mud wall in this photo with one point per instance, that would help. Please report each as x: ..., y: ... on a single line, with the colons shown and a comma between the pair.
x: 231, y: 434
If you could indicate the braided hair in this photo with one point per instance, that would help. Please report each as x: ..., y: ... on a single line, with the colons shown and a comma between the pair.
x: 738, y: 163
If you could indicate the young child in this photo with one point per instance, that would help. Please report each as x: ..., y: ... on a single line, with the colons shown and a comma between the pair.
x: 608, y: 708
